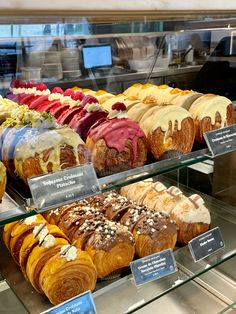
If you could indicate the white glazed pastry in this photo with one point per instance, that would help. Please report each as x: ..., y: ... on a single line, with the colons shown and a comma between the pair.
x: 192, y: 217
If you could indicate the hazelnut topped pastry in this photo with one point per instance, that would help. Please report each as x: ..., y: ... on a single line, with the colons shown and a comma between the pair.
x: 117, y: 143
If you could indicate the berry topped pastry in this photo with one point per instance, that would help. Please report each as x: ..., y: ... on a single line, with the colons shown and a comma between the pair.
x: 117, y: 143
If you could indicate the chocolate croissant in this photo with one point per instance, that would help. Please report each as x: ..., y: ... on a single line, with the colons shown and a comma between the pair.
x: 154, y: 233
x: 67, y: 274
x: 49, y: 152
x: 110, y: 245
x: 168, y: 128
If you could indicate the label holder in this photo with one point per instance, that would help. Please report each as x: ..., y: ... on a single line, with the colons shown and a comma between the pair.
x: 63, y: 187
x: 82, y: 303
x: 198, y: 242
x: 221, y: 141
x: 153, y: 267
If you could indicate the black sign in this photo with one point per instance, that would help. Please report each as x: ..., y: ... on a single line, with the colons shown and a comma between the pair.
x: 206, y: 244
x: 64, y: 186
x: 82, y: 304
x: 153, y: 267
x: 221, y: 141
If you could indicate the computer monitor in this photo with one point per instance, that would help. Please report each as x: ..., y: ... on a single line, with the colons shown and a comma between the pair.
x: 96, y: 56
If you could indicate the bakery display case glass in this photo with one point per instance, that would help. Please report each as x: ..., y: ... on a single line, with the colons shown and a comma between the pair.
x: 130, y: 97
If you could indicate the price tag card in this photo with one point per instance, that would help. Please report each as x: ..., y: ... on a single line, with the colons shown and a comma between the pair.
x: 206, y: 244
x: 221, y: 141
x: 62, y: 187
x: 82, y: 304
x: 153, y: 267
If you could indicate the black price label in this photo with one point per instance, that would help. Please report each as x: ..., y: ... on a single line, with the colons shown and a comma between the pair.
x: 206, y: 244
x: 62, y: 187
x: 83, y: 303
x: 221, y: 141
x: 153, y: 267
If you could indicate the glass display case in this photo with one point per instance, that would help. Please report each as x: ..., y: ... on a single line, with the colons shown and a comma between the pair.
x: 86, y: 52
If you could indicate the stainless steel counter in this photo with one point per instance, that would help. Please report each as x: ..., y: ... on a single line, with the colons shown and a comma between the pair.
x: 124, y: 80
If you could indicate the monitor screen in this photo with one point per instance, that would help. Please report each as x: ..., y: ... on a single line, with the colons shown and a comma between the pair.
x: 97, y: 56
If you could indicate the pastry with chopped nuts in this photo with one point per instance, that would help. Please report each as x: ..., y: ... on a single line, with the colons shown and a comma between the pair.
x: 77, y: 216
x: 154, y: 233
x: 55, y: 215
x: 109, y: 244
x: 115, y: 206
x: 133, y: 216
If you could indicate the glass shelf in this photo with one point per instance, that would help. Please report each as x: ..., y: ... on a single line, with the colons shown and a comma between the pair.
x: 230, y: 309
x: 134, y: 298
x: 19, y: 209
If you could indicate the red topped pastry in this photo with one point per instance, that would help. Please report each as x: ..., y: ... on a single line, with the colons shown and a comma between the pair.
x: 117, y: 143
x: 82, y: 121
x: 67, y: 115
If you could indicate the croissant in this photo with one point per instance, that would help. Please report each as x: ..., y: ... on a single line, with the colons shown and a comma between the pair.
x: 168, y: 128
x: 192, y: 218
x: 117, y: 144
x: 133, y: 216
x: 18, y: 233
x: 167, y: 200
x: 67, y: 274
x: 49, y: 152
x: 74, y: 218
x: 133, y: 91
x: 110, y: 245
x: 185, y: 98
x: 3, y: 180
x: 211, y: 112
x: 151, y: 196
x: 154, y: 233
x: 116, y: 206
x: 39, y: 256
x: 137, y: 111
x: 7, y: 233
x: 136, y: 192
x: 129, y: 102
x: 38, y: 235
